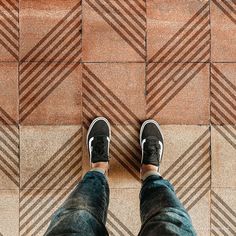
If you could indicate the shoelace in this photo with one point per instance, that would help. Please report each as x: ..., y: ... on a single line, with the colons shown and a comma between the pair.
x: 152, y: 147
x: 100, y: 146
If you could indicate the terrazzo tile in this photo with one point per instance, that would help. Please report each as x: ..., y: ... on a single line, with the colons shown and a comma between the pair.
x: 9, y: 157
x: 223, y: 90
x: 223, y: 30
x: 114, y: 31
x: 174, y: 89
x: 9, y: 215
x: 123, y: 213
x: 178, y: 31
x: 37, y: 207
x: 51, y: 156
x: 50, y: 30
x: 9, y: 28
x: 223, y: 211
x: 50, y: 93
x: 106, y: 88
x: 223, y: 145
x: 8, y: 93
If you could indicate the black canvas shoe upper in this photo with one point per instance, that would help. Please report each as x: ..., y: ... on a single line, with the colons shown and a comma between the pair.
x: 151, y: 141
x: 98, y: 139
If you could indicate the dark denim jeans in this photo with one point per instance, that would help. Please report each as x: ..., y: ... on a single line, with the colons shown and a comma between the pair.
x: 84, y: 212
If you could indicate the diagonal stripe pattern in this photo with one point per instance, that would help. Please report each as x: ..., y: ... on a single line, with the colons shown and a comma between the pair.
x: 115, y: 227
x: 49, y: 186
x: 9, y: 26
x: 111, y: 106
x: 223, y: 218
x: 191, y: 43
x: 127, y: 18
x: 191, y: 172
x: 223, y: 108
x: 9, y: 147
x: 228, y: 7
x: 187, y: 43
x: 62, y: 48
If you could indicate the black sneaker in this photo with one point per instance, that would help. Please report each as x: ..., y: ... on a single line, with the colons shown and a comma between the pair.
x: 98, y: 140
x: 151, y: 141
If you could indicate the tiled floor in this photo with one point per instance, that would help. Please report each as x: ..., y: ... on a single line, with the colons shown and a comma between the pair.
x: 62, y: 63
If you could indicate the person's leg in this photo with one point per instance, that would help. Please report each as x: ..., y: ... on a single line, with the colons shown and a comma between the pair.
x: 160, y: 210
x: 85, y: 210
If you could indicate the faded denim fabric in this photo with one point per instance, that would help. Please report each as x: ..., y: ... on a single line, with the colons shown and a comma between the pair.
x: 84, y: 213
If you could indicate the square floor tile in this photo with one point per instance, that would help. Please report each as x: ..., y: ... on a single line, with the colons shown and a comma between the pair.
x: 125, y: 157
x: 9, y: 157
x: 178, y: 93
x: 9, y: 28
x: 223, y: 93
x: 50, y: 93
x: 51, y: 156
x: 223, y: 146
x: 223, y: 30
x: 198, y: 207
x: 178, y: 31
x: 8, y: 93
x: 114, y: 30
x: 37, y: 207
x: 50, y: 30
x: 123, y: 213
x: 223, y: 211
x: 9, y: 215
x: 186, y: 160
x: 116, y: 91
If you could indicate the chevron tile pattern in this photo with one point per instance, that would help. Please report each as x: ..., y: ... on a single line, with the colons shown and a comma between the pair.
x: 63, y: 63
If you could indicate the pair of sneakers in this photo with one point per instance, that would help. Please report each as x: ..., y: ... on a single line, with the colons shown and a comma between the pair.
x: 99, y: 137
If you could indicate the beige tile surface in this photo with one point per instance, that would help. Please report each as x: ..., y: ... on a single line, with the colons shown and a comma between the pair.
x: 223, y: 153
x: 9, y: 217
x: 223, y: 29
x: 9, y: 157
x: 51, y: 156
x: 223, y: 212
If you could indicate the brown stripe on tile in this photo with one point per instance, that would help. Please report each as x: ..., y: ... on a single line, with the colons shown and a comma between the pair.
x: 167, y: 89
x: 190, y: 29
x: 47, y: 83
x: 115, y: 14
x: 9, y: 147
x: 72, y: 147
x: 190, y: 173
x: 227, y: 8
x: 223, y: 218
x: 44, y: 205
x: 52, y: 38
x: 93, y: 87
x: 223, y: 100
x: 9, y: 27
x: 116, y: 227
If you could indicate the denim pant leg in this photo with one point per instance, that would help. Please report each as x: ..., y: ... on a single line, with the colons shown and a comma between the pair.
x: 85, y: 211
x: 161, y: 211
